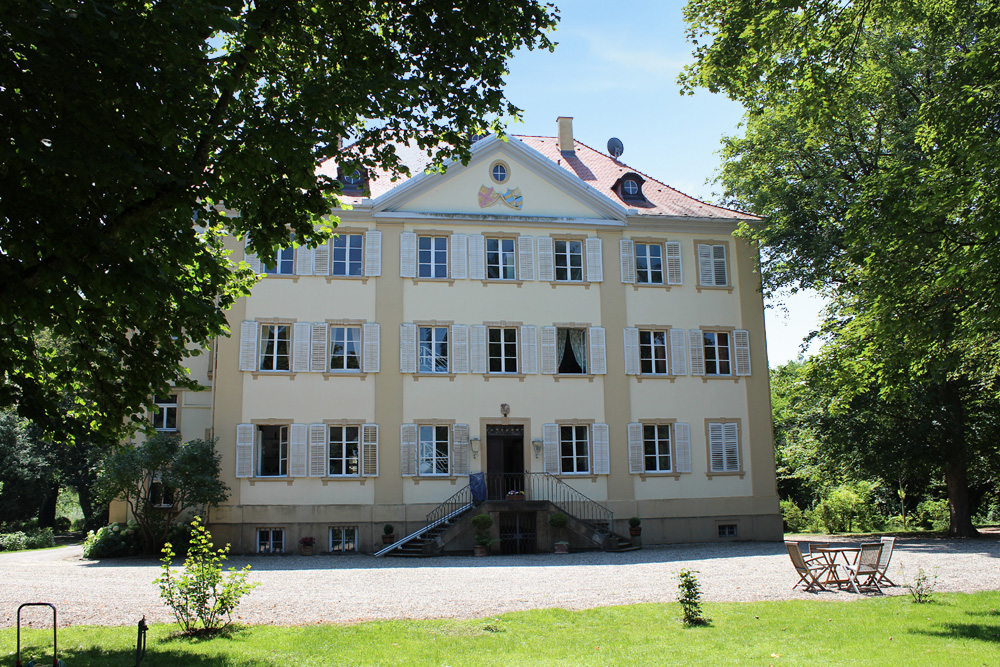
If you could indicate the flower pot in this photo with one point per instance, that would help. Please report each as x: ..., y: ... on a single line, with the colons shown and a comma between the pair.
x: 635, y: 531
x: 479, y: 550
x: 562, y: 547
x: 306, y: 551
x: 388, y: 539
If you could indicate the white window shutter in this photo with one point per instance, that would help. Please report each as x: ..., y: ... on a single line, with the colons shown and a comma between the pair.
x: 408, y: 450
x: 716, y: 450
x: 721, y: 277
x: 301, y: 347
x: 251, y: 258
x: 632, y: 366
x: 741, y: 343
x: 697, y: 340
x: 529, y: 350
x: 636, y: 460
x: 598, y: 361
x: 319, y: 359
x: 602, y: 449
x: 525, y: 258
x: 371, y: 360
x: 298, y: 450
x: 407, y: 348
x: 626, y: 249
x: 705, y: 274
x: 321, y: 259
x: 407, y: 255
x: 675, y: 272
x: 546, y: 268
x: 248, y: 346
x: 682, y: 447
x: 317, y: 450
x: 460, y: 449
x: 678, y: 352
x: 459, y: 362
x: 369, y: 450
x: 459, y: 256
x: 477, y: 257
x: 730, y: 435
x: 550, y: 448
x: 373, y: 253
x: 477, y: 349
x: 245, y: 434
x: 595, y: 262
x: 549, y: 350
x: 304, y: 261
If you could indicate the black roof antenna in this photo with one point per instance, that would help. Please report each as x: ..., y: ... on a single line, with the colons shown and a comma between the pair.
x: 615, y: 147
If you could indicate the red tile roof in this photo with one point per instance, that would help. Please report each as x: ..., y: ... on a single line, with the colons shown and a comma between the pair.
x: 598, y: 170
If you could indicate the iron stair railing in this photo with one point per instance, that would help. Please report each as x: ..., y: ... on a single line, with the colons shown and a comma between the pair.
x: 457, y: 505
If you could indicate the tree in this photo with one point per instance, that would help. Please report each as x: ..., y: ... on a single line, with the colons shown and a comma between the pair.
x: 132, y: 128
x: 871, y: 134
x: 160, y: 479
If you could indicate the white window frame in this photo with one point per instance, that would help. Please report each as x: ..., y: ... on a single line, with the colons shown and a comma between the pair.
x: 507, y: 258
x: 343, y: 539
x: 714, y: 349
x: 574, y: 457
x: 645, y: 276
x: 652, y: 347
x: 435, y: 263
x: 357, y: 331
x: 274, y: 356
x: 568, y: 252
x: 344, y: 460
x: 164, y: 409
x: 509, y: 358
x: 284, y: 447
x: 272, y: 533
x: 434, y: 350
x: 713, y: 264
x: 658, y: 443
x: 283, y: 263
x: 346, y: 240
x: 429, y: 458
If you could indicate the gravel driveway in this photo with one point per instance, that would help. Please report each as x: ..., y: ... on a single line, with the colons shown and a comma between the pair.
x: 342, y: 589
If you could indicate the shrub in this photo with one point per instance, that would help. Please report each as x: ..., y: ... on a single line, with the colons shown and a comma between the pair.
x: 793, y: 518
x: 558, y: 520
x: 922, y: 587
x: 13, y: 541
x: 689, y: 595
x: 202, y: 593
x: 63, y: 524
x: 39, y: 538
x: 113, y: 541
x: 933, y: 514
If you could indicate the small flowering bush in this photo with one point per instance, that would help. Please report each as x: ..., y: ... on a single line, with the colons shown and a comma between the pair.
x: 201, y: 593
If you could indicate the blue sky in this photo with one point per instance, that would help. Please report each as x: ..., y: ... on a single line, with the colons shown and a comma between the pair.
x: 615, y: 72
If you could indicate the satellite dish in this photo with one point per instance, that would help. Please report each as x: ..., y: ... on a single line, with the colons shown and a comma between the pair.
x: 615, y: 147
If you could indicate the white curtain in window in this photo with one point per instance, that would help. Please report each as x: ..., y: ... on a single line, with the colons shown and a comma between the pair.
x: 578, y: 342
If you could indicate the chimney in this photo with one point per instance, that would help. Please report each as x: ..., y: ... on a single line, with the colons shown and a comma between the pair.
x: 565, y: 134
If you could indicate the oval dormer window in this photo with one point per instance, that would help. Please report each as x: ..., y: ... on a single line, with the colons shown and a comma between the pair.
x: 499, y: 172
x: 353, y: 178
x: 630, y: 187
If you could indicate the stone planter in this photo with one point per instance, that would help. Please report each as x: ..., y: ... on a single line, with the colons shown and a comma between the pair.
x: 306, y: 551
x: 562, y: 547
x: 388, y: 539
x: 636, y: 531
x: 479, y: 550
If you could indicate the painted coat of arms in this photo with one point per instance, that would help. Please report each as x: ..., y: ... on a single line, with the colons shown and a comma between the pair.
x: 511, y: 198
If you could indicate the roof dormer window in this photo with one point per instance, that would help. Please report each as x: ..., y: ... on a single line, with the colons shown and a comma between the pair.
x: 353, y: 180
x: 629, y: 187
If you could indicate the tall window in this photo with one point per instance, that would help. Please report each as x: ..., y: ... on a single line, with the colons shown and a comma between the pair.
x: 571, y: 351
x: 432, y: 257
x: 343, y: 539
x: 574, y: 449
x: 165, y: 418
x: 569, y: 260
x: 501, y: 260
x: 283, y: 263
x: 345, y: 348
x: 347, y: 254
x: 273, y: 460
x: 653, y: 352
x: 275, y: 347
x: 270, y: 540
x: 502, y: 347
x: 712, y: 269
x: 656, y: 447
x: 724, y: 446
x: 345, y: 445
x: 649, y: 263
x: 433, y: 450
x: 432, y: 350
x: 717, y: 353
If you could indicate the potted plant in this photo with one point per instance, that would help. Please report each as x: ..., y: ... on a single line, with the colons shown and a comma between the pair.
x: 482, y: 523
x: 306, y: 545
x: 559, y: 521
x: 515, y: 495
x: 388, y: 534
x: 635, y: 526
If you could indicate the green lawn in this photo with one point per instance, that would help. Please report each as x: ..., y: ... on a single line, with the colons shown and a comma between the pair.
x: 954, y: 630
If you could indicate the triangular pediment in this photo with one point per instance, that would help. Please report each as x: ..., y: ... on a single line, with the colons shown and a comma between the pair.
x: 532, y: 186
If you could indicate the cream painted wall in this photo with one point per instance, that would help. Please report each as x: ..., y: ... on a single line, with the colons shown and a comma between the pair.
x: 459, y: 193
x: 308, y: 398
x: 303, y: 491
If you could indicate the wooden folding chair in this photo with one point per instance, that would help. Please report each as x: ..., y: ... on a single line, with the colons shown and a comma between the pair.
x: 865, y: 566
x: 888, y: 543
x: 808, y: 568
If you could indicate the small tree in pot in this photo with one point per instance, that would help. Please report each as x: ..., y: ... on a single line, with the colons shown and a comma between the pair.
x: 559, y: 521
x: 388, y: 534
x: 482, y: 523
x: 635, y: 526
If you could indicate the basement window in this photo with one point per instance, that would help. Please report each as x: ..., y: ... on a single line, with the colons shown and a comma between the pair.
x: 727, y: 530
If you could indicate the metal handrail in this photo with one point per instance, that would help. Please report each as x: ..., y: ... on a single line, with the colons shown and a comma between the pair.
x: 460, y: 498
x: 547, y: 487
x: 414, y: 535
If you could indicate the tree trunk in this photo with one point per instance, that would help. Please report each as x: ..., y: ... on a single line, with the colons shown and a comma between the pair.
x: 94, y: 516
x: 956, y: 476
x: 47, y: 512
